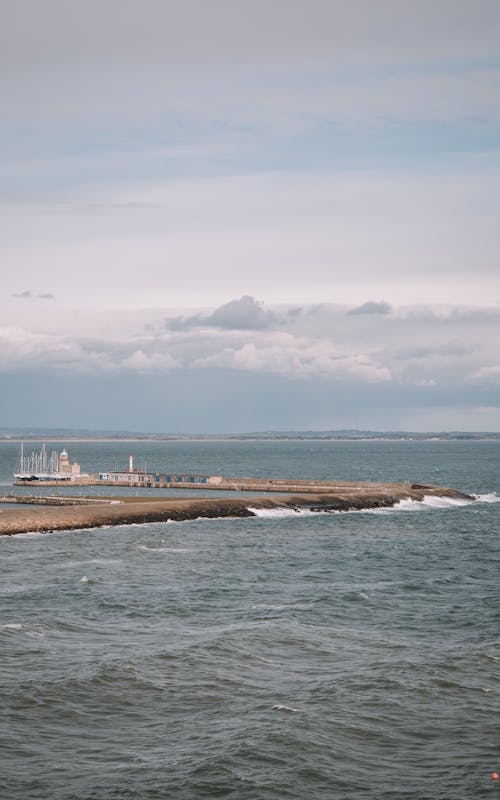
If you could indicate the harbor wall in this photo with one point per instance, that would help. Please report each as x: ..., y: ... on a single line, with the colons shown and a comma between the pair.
x: 132, y: 510
x: 212, y: 483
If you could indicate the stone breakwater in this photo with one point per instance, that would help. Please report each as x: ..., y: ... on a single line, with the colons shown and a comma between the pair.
x: 38, y: 500
x: 130, y: 511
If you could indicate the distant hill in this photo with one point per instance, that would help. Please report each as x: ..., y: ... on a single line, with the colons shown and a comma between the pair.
x: 350, y: 434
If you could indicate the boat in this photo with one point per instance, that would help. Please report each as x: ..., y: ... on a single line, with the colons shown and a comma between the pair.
x: 45, y: 466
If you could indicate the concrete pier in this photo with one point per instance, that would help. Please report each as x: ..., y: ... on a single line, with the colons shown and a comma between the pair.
x: 141, y: 480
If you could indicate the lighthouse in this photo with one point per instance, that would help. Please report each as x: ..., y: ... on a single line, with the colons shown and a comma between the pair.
x: 131, y: 463
x: 64, y: 462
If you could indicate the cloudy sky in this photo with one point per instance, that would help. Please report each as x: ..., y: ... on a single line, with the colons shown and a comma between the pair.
x: 234, y: 215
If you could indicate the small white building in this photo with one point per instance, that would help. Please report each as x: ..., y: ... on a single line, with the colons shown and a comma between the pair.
x: 135, y: 478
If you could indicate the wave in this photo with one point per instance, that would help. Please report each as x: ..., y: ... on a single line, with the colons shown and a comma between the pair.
x: 92, y: 561
x: 443, y: 502
x: 492, y: 497
x: 165, y: 549
x: 280, y: 513
x: 273, y: 606
x: 17, y: 627
x: 34, y: 534
x: 92, y: 579
x: 432, y: 501
x: 429, y: 502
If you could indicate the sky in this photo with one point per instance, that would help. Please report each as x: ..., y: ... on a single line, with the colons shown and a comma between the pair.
x: 235, y: 216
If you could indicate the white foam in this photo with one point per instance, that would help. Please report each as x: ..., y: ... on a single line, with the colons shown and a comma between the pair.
x: 435, y: 502
x: 94, y: 579
x: 428, y: 502
x: 281, y: 707
x: 17, y: 626
x: 280, y: 513
x: 442, y: 501
x: 492, y: 497
x: 34, y: 534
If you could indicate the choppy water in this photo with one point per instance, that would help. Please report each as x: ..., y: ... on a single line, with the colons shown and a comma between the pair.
x: 283, y: 656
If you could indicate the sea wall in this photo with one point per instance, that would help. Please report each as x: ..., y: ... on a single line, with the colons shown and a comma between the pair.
x: 216, y: 483
x: 128, y: 511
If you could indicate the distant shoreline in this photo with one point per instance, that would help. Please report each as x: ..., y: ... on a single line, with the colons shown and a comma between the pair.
x: 227, y: 439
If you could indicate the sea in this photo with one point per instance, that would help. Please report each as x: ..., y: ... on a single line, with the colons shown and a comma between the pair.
x: 286, y: 655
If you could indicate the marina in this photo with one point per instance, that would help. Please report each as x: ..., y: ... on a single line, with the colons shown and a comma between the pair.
x: 66, y: 512
x: 44, y: 469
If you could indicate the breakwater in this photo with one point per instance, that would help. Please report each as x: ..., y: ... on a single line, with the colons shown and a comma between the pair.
x: 86, y: 513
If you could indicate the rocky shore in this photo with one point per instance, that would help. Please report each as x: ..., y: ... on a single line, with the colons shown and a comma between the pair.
x: 84, y: 513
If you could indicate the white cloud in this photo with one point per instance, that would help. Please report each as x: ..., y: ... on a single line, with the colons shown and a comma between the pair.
x: 426, y: 383
x: 386, y: 369
x: 420, y: 350
x: 487, y: 373
x: 149, y: 362
x: 284, y: 354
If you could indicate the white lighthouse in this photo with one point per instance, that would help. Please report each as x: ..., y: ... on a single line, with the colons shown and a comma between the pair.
x: 131, y: 463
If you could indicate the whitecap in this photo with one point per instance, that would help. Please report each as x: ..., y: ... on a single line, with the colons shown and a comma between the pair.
x: 492, y: 497
x: 165, y: 549
x: 441, y: 501
x: 93, y: 579
x: 288, y: 709
x: 280, y: 513
x: 407, y: 504
x: 435, y: 502
x: 17, y: 626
